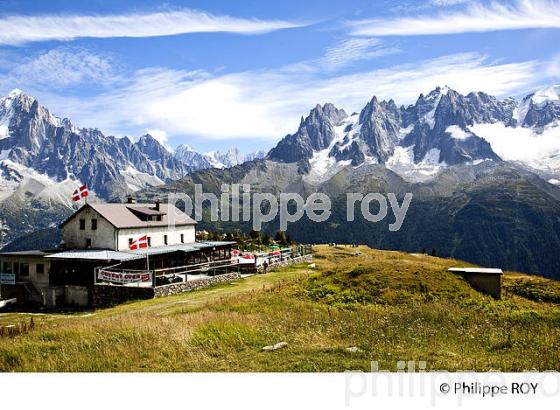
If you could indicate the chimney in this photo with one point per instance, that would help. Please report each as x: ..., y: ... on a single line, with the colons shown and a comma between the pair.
x: 157, y: 204
x: 130, y: 200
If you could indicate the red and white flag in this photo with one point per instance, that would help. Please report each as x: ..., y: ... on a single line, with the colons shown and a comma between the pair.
x: 139, y: 243
x: 81, y: 192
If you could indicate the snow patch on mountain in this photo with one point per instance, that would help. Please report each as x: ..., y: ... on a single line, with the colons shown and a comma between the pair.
x: 4, y: 131
x: 434, y: 98
x: 403, y: 132
x: 323, y: 165
x: 136, y: 180
x: 18, y: 179
x: 402, y: 163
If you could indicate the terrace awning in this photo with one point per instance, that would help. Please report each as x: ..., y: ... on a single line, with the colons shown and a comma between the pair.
x: 95, y: 255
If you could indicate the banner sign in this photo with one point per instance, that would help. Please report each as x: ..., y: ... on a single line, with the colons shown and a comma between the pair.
x: 7, y: 278
x: 123, y: 277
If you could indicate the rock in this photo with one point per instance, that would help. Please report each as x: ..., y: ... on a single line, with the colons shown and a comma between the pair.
x: 353, y: 349
x: 277, y: 346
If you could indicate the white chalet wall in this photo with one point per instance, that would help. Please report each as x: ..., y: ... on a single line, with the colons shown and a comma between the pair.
x: 104, y: 237
x: 156, y: 234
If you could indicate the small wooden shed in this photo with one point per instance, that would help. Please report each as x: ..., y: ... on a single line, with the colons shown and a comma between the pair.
x: 485, y: 280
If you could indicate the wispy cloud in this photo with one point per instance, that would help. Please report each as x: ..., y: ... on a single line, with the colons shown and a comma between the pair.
x: 447, y: 3
x: 354, y: 49
x: 20, y: 29
x: 60, y: 67
x: 268, y: 104
x: 476, y: 17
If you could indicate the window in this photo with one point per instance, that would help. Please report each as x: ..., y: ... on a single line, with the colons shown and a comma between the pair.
x: 149, y: 241
x: 7, y: 268
x: 40, y: 268
x: 24, y: 269
x: 182, y: 238
x: 165, y: 239
x: 88, y: 242
x: 94, y: 224
x: 16, y: 268
x: 82, y: 224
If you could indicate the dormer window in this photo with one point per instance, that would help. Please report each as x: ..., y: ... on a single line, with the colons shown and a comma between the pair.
x: 147, y: 214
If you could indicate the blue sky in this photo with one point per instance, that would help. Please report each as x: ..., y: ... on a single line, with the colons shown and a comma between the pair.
x: 215, y: 74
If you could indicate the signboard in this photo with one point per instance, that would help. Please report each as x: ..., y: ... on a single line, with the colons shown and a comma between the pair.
x: 123, y: 277
x: 7, y: 278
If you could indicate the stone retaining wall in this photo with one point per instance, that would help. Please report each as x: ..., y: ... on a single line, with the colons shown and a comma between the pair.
x: 176, y: 288
x: 109, y: 295
x: 287, y: 262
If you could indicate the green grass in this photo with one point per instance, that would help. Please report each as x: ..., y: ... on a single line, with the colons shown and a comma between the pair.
x: 393, y: 306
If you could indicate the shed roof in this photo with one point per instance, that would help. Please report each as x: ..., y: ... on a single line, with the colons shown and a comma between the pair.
x: 123, y: 216
x: 488, y: 271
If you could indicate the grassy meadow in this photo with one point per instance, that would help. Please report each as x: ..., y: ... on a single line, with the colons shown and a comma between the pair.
x: 392, y: 306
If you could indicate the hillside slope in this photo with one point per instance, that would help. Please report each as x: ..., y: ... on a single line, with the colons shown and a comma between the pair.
x: 492, y: 213
x: 391, y: 306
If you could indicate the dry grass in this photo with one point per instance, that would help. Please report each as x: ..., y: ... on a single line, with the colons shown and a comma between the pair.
x: 393, y: 306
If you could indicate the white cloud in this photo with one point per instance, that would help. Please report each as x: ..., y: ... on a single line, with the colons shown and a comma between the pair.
x: 159, y: 135
x: 447, y: 3
x: 61, y: 67
x: 457, y: 132
x: 268, y: 104
x: 521, y: 144
x: 476, y: 17
x: 24, y: 29
x: 354, y: 49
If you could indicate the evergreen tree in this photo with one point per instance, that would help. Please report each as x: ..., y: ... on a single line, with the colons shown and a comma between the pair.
x: 280, y: 237
x: 289, y: 240
x: 254, y: 235
x: 265, y: 239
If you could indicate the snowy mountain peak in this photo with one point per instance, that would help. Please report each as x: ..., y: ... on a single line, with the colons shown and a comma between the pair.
x: 545, y: 95
x: 16, y: 92
x: 17, y: 95
x: 540, y: 109
x: 230, y: 158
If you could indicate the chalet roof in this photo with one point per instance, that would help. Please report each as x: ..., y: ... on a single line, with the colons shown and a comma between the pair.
x: 125, y: 215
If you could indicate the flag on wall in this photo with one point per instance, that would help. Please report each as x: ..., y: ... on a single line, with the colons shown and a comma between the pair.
x: 81, y: 192
x: 139, y: 243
